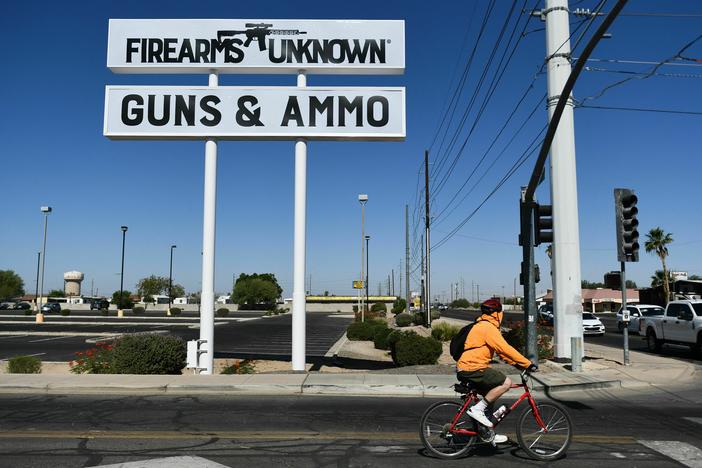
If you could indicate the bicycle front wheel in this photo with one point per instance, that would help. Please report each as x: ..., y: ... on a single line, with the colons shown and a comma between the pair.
x: 434, y: 430
x: 550, y: 443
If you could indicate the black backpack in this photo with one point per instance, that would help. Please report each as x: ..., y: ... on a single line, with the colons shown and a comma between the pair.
x: 458, y: 342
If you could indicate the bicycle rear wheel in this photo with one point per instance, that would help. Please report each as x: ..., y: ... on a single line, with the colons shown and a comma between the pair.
x: 435, y: 434
x: 549, y: 444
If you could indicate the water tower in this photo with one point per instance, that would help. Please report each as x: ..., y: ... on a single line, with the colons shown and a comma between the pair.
x: 71, y: 283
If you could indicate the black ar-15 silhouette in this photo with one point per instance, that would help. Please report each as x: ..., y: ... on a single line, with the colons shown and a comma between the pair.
x: 258, y: 31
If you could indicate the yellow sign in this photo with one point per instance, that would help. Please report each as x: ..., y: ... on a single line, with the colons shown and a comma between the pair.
x: 358, y: 285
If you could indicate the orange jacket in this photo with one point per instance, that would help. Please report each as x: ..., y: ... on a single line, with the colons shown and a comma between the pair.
x: 483, y: 341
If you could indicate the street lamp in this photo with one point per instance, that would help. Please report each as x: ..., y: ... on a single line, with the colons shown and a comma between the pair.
x: 170, y: 279
x: 121, y: 276
x: 362, y: 199
x: 362, y: 311
x: 46, y: 210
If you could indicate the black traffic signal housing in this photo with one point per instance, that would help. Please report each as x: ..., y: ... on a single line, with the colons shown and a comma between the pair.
x: 627, y: 225
x: 543, y: 224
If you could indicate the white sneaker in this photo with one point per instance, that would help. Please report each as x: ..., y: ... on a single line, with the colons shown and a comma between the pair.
x: 500, y: 439
x: 479, y: 416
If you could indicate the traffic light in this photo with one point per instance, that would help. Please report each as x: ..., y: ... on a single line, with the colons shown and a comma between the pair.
x: 543, y: 224
x: 627, y: 225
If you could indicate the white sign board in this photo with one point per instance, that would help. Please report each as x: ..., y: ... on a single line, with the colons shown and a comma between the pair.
x: 251, y: 113
x: 256, y: 46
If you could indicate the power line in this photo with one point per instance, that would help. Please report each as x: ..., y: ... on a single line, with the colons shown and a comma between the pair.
x: 640, y: 109
x: 648, y: 74
x: 644, y: 62
x: 632, y: 72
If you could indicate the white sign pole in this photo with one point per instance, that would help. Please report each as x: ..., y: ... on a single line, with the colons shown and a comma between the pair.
x: 298, y: 312
x: 208, y: 252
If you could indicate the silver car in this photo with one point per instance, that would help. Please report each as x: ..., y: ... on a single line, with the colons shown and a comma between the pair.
x: 636, y: 311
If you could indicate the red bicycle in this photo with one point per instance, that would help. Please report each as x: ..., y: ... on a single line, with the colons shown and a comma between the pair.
x: 544, y: 430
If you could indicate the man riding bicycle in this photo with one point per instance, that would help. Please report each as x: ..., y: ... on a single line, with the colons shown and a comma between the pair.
x: 481, y: 344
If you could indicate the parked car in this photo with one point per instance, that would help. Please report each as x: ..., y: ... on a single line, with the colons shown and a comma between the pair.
x: 592, y: 325
x: 7, y: 306
x: 681, y: 324
x: 443, y: 307
x: 637, y: 311
x: 22, y: 306
x: 51, y: 307
x: 99, y: 304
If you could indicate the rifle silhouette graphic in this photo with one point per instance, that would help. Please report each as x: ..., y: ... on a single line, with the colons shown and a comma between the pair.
x: 258, y: 31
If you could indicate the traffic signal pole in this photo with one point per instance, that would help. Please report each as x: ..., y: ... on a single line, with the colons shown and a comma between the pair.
x: 526, y: 240
x: 626, y: 322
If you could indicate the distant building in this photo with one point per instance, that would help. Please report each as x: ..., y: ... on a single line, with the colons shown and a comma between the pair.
x: 601, y: 299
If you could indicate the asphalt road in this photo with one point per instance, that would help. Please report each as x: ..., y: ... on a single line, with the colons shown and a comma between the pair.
x: 241, y: 335
x: 611, y: 429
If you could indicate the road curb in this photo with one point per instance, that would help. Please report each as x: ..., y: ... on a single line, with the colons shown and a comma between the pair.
x: 591, y: 384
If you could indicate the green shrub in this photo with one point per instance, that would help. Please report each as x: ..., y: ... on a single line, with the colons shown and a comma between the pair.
x: 380, y: 339
x: 435, y: 314
x: 414, y: 350
x: 460, y: 304
x: 368, y: 315
x: 148, y: 354
x: 65, y: 312
x: 244, y: 366
x: 105, y: 312
x: 516, y: 337
x: 403, y: 320
x: 138, y: 311
x: 175, y: 311
x: 222, y: 312
x: 379, y: 307
x: 399, y: 306
x: 444, y: 331
x: 28, y: 312
x: 418, y: 318
x: 354, y: 308
x: 364, y: 331
x: 24, y: 365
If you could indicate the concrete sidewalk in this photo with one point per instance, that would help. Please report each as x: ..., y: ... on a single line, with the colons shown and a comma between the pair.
x: 602, y: 368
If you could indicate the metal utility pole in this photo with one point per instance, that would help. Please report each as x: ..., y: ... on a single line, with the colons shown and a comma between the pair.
x: 46, y: 210
x: 362, y: 199
x: 170, y: 280
x: 427, y: 281
x: 423, y: 291
x: 408, y: 293
x: 367, y: 268
x: 36, y: 295
x: 393, y: 281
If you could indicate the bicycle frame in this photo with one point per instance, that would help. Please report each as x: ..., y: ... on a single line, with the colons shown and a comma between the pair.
x: 472, y: 396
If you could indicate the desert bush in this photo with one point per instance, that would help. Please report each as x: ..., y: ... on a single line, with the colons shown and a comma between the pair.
x: 460, y: 304
x: 399, y: 306
x: 24, y: 365
x: 413, y: 350
x: 435, y: 314
x: 222, y: 312
x: 65, y: 312
x: 138, y: 310
x: 379, y: 307
x: 148, y: 354
x: 380, y: 339
x: 364, y: 331
x: 516, y: 337
x: 444, y: 331
x: 175, y: 311
x: 97, y: 360
x: 244, y: 366
x: 418, y: 318
x: 403, y: 320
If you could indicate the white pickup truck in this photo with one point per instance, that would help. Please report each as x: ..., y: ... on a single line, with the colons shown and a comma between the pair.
x: 681, y: 324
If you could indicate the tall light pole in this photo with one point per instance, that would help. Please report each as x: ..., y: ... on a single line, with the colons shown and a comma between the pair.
x: 367, y: 239
x: 121, y: 275
x: 36, y: 294
x: 46, y: 210
x: 362, y: 199
x: 170, y: 279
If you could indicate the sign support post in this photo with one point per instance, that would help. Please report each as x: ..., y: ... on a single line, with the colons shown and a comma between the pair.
x: 298, y: 311
x: 208, y: 251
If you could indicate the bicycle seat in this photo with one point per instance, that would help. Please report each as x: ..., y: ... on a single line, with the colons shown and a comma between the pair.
x: 463, y: 387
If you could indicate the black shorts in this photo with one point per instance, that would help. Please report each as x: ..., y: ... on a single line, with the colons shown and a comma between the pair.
x: 483, y: 380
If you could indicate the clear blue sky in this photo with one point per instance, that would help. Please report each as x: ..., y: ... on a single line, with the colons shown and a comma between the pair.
x: 52, y: 152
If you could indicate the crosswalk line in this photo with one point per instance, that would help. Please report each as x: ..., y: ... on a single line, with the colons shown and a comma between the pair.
x: 683, y: 453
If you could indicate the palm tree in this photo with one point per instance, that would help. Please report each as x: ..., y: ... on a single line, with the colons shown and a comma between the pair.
x: 657, y: 241
x: 657, y: 278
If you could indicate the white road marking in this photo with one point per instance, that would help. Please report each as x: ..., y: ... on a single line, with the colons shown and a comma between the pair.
x: 52, y: 338
x: 386, y: 449
x: 12, y: 336
x: 617, y: 455
x: 695, y: 420
x: 9, y: 357
x: 683, y: 453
